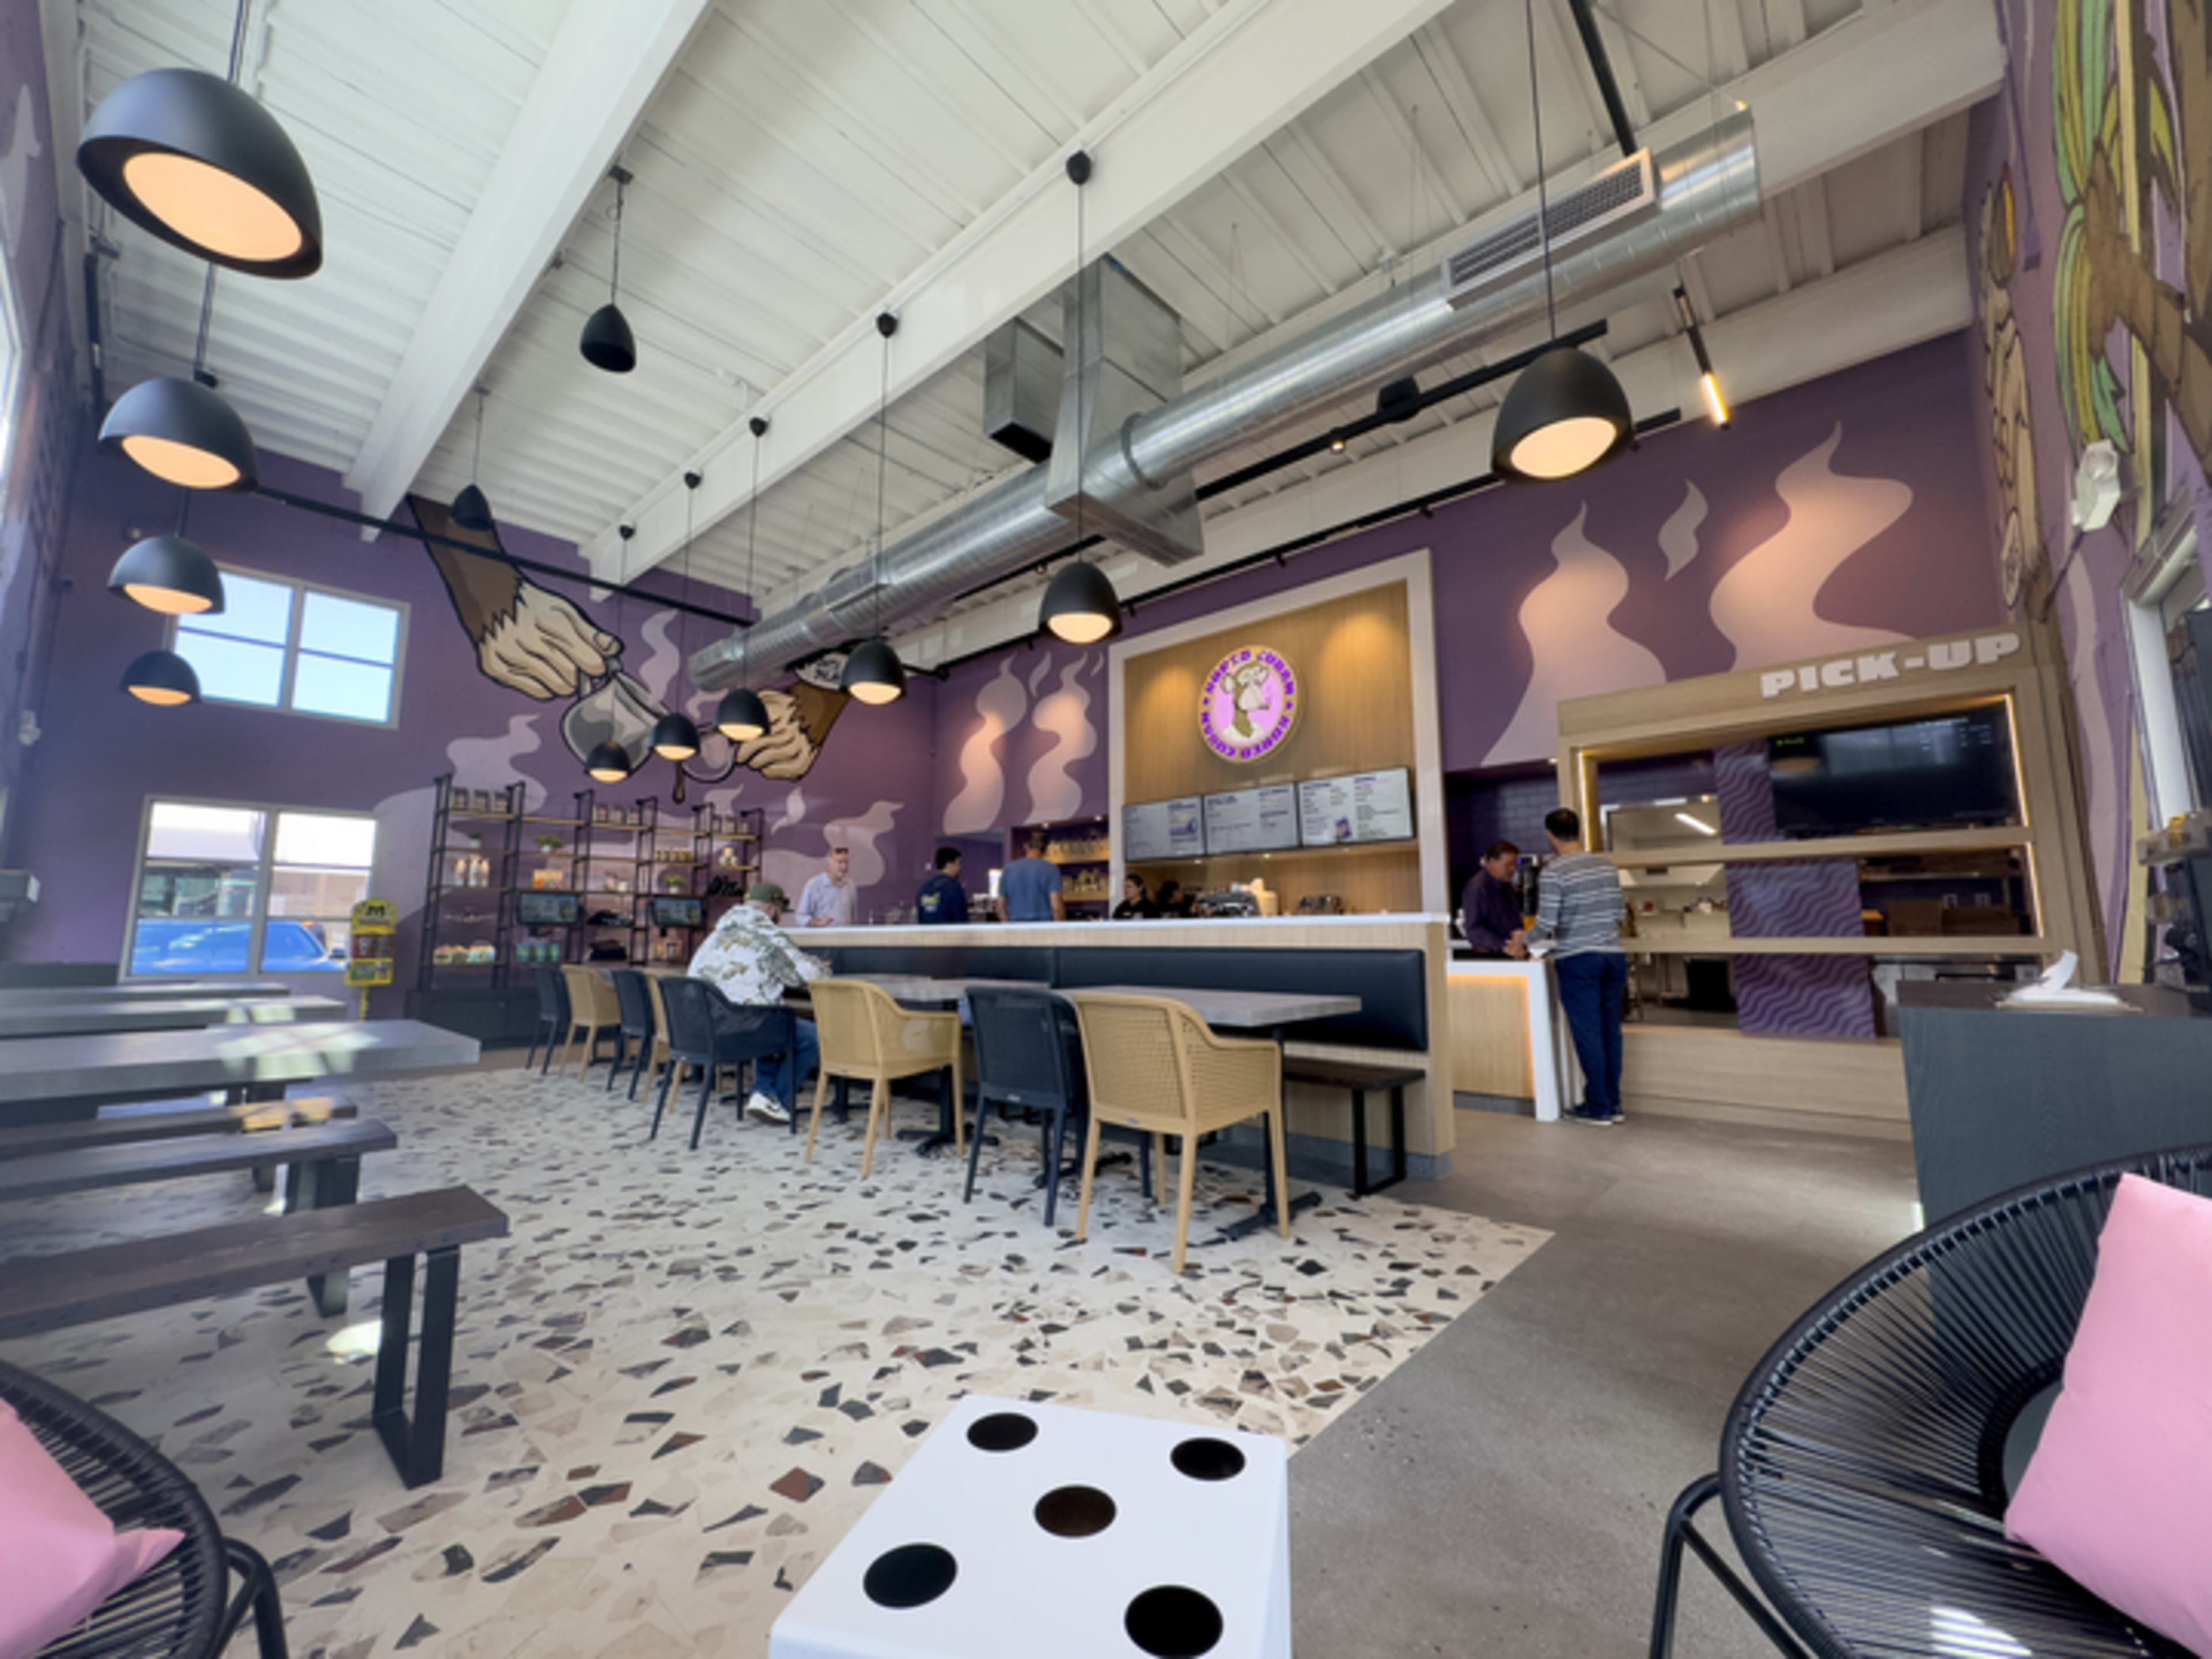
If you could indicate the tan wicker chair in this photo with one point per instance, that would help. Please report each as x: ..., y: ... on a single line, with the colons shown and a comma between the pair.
x: 658, y: 1058
x: 1156, y: 1065
x: 867, y: 1036
x: 592, y: 1007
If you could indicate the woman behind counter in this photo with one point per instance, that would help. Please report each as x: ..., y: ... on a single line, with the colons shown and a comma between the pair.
x: 1136, y: 901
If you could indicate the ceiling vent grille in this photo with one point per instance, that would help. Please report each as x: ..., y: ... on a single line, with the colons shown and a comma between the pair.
x: 1622, y: 193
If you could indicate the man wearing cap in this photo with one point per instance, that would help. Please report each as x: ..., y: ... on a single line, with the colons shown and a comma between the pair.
x: 752, y: 962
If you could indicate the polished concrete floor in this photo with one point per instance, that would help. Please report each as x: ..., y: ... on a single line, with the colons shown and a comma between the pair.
x: 1503, y: 1492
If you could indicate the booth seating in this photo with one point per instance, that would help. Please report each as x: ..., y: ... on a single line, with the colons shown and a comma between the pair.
x: 49, y: 1292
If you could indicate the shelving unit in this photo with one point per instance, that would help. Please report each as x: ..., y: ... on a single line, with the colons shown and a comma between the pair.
x: 484, y: 863
x: 1081, y: 849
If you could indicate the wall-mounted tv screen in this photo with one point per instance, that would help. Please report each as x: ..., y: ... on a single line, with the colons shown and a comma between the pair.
x: 546, y: 910
x: 678, y: 911
x: 1943, y: 769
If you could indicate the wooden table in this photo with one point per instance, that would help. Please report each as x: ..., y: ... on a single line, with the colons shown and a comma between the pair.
x: 151, y: 990
x: 57, y: 1078
x: 1267, y: 1011
x: 159, y: 1014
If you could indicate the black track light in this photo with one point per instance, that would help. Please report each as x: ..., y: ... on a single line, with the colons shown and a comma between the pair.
x: 198, y: 163
x: 169, y: 575
x: 1565, y: 414
x: 183, y: 434
x: 1080, y: 604
x: 163, y: 678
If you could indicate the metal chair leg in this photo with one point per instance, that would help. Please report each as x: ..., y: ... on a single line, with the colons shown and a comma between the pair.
x: 975, y: 1147
x: 1052, y: 1161
x: 257, y: 1590
x: 667, y: 1082
x: 709, y: 1075
x: 1665, y: 1604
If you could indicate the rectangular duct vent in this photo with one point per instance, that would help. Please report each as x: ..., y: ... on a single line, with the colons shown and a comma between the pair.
x: 1621, y: 194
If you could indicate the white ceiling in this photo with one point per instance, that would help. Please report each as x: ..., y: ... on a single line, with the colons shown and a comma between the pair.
x: 805, y: 161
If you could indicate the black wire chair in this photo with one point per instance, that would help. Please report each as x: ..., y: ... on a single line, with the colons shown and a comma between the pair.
x: 1028, y: 1057
x: 553, y: 1021
x: 1866, y: 1465
x: 184, y: 1607
x: 706, y: 1029
x: 638, y: 1025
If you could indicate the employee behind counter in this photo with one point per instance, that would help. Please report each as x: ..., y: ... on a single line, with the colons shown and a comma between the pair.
x: 1490, y: 910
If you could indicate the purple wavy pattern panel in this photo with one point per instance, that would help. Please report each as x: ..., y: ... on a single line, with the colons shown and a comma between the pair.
x: 1817, y: 898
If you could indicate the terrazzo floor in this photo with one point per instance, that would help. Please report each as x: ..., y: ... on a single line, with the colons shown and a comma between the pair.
x: 682, y: 1377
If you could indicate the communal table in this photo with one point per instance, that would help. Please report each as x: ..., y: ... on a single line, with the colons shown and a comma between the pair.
x: 1267, y: 1011
x: 161, y: 1014
x: 57, y: 1078
x: 153, y: 990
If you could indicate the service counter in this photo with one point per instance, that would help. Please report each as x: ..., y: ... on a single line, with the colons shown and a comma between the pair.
x: 1395, y: 963
x: 1509, y: 1041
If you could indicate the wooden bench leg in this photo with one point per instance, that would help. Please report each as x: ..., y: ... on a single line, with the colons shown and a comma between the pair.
x: 417, y: 1444
x: 1361, y: 1186
x: 322, y: 1185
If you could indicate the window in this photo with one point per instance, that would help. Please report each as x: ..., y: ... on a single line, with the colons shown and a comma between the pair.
x: 282, y: 645
x: 2165, y: 593
x: 247, y: 889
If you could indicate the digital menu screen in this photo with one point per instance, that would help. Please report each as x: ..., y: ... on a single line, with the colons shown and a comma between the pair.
x: 1261, y: 820
x: 1164, y: 830
x: 1363, y: 806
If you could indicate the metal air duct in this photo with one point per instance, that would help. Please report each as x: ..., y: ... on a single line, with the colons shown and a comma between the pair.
x: 1708, y: 186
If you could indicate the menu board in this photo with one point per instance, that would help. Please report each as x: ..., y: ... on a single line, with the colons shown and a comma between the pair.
x: 1363, y: 806
x: 1163, y: 829
x: 1253, y: 820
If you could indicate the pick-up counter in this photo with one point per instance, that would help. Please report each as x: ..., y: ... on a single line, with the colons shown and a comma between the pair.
x: 1395, y: 963
x: 1508, y: 1041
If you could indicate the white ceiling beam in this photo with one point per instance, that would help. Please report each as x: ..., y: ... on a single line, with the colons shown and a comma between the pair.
x: 1305, y: 166
x: 1885, y: 304
x: 1785, y: 24
x: 1911, y: 173
x: 1435, y: 49
x: 1246, y: 71
x: 1777, y: 242
x: 600, y: 70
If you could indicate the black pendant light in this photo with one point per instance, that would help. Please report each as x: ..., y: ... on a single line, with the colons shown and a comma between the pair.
x: 183, y: 434
x: 1565, y: 413
x: 873, y: 674
x: 741, y: 716
x: 609, y: 762
x: 163, y: 678
x: 1080, y: 606
x: 675, y: 735
x: 193, y: 160
x: 471, y: 509
x: 607, y: 342
x: 169, y: 575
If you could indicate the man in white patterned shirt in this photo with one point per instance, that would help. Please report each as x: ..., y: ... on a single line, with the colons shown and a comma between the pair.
x: 752, y: 962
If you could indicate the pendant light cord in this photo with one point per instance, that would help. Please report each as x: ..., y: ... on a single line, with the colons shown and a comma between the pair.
x: 475, y: 460
x: 614, y: 279
x: 1082, y: 449
x: 207, y: 292
x: 882, y: 459
x: 752, y: 528
x: 1543, y: 203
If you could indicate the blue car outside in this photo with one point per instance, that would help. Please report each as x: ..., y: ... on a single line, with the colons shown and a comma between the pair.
x: 189, y: 945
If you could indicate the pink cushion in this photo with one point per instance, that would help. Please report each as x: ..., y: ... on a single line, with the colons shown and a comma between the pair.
x: 59, y: 1556
x: 2118, y: 1495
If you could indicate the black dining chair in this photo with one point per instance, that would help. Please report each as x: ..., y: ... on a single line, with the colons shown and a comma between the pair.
x: 552, y: 1016
x: 1867, y: 1463
x: 635, y: 999
x: 706, y: 1029
x: 183, y: 1608
x: 1028, y: 1057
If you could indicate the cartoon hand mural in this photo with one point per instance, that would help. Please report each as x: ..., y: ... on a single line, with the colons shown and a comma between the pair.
x: 798, y: 720
x: 528, y: 638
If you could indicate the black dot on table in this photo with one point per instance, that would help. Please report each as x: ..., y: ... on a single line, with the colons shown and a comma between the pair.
x: 1074, y: 1511
x: 1206, y: 1459
x: 911, y: 1576
x: 1001, y: 1431
x: 1173, y: 1622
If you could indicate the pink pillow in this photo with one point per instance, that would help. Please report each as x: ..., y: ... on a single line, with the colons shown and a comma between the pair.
x: 60, y: 1555
x: 2118, y: 1495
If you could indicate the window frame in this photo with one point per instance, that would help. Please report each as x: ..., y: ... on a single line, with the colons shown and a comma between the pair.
x: 288, y: 676
x: 264, y: 876
x: 2166, y: 557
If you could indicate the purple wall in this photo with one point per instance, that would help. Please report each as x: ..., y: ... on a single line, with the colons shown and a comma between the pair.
x: 41, y: 429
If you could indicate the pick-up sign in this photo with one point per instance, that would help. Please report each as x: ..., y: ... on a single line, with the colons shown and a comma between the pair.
x: 1871, y: 667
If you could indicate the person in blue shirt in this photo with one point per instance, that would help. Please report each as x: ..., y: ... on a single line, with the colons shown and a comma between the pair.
x: 1030, y: 886
x: 943, y: 900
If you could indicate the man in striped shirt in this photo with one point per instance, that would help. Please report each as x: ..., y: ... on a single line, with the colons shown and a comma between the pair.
x: 1578, y: 908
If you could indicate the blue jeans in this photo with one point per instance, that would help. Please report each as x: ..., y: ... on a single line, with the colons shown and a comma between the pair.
x: 1592, y: 988
x: 767, y: 1074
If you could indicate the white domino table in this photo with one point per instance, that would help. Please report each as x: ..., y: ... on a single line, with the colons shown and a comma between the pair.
x: 1021, y: 1529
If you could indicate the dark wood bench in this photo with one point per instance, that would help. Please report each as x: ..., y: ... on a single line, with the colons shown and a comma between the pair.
x: 1362, y: 1080
x: 118, y: 1128
x: 322, y: 1164
x: 50, y: 1292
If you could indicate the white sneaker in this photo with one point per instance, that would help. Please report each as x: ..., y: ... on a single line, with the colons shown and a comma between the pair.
x: 767, y: 1107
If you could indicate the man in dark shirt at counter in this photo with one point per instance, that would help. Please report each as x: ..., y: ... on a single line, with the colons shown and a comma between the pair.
x: 943, y: 900
x: 1490, y: 910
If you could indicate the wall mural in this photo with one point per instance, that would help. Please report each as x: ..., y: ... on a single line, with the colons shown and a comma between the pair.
x: 1047, y: 712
